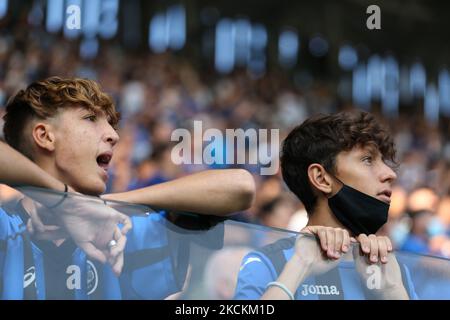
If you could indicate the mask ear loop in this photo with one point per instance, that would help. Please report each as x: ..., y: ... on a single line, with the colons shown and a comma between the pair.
x: 331, y: 194
x: 343, y: 184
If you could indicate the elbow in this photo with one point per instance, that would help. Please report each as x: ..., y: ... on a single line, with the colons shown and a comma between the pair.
x: 247, y: 188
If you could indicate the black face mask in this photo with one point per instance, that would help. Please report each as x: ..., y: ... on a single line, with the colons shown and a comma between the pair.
x: 358, y: 211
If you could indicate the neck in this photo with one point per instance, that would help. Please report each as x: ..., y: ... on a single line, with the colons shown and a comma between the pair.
x: 49, y: 166
x: 323, y: 216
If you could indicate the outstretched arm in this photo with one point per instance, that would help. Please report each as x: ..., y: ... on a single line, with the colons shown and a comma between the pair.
x: 218, y: 192
x: 16, y: 169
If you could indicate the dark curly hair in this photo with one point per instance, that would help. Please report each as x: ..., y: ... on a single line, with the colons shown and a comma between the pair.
x: 320, y: 139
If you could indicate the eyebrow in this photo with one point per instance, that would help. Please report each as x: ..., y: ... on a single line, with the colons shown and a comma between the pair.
x: 371, y: 149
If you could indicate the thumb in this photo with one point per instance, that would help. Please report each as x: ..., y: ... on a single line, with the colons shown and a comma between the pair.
x: 310, y: 229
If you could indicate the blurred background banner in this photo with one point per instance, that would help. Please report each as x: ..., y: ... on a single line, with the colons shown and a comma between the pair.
x: 253, y: 65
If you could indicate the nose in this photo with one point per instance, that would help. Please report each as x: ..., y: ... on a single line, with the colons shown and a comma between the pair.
x: 388, y: 174
x: 111, y: 135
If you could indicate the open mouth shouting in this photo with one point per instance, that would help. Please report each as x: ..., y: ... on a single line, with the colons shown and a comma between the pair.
x: 103, y: 161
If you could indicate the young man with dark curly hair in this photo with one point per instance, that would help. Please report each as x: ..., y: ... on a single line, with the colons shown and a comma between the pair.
x: 338, y: 166
x: 62, y: 134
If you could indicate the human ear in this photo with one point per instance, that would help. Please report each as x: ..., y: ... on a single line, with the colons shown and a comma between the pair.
x: 44, y: 136
x: 319, y: 178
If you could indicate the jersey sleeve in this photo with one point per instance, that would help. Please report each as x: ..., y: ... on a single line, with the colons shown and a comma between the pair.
x: 254, y: 275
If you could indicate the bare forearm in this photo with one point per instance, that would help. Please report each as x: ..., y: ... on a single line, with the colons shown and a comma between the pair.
x: 218, y: 192
x: 16, y: 169
x: 293, y: 274
x: 395, y: 294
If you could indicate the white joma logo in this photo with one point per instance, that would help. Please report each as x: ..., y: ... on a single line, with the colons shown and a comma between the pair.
x: 29, y: 277
x: 320, y: 290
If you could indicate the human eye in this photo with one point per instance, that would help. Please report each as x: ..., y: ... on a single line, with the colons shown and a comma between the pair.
x: 91, y: 117
x: 367, y: 160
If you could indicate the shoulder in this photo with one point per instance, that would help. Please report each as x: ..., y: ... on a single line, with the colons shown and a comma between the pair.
x: 259, y: 267
x: 10, y: 222
x: 267, y: 261
x: 278, y: 246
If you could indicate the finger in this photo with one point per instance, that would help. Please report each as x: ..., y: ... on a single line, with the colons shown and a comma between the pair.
x: 120, y: 246
x: 382, y: 249
x: 389, y: 244
x: 51, y: 233
x: 346, y: 241
x: 322, y: 234
x: 365, y: 243
x: 308, y: 229
x: 118, y: 249
x: 330, y: 243
x: 373, y: 255
x: 38, y: 225
x: 118, y: 266
x: 93, y: 252
x: 126, y: 223
x: 338, y: 240
x: 44, y: 232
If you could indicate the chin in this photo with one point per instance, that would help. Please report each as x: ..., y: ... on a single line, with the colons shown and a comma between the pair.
x: 94, y: 189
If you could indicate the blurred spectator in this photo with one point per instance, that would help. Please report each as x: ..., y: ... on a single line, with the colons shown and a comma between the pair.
x: 156, y: 169
x: 157, y: 93
x: 277, y: 213
x: 422, y: 199
x: 417, y: 240
x: 398, y: 202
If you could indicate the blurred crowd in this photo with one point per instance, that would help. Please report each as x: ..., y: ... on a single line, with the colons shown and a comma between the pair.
x: 159, y: 93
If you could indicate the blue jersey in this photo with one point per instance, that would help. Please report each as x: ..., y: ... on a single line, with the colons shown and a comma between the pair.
x: 343, y: 282
x: 155, y: 263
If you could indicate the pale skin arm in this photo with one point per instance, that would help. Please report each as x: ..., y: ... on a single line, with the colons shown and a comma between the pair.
x: 16, y: 169
x: 293, y: 274
x: 310, y: 257
x: 217, y: 192
x: 333, y: 243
